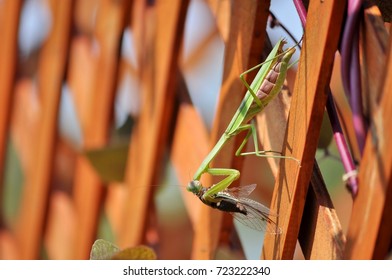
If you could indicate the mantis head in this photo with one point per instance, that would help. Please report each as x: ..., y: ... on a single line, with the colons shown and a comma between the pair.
x: 194, y: 187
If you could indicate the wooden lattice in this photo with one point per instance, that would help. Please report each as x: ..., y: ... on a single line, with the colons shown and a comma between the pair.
x: 64, y: 220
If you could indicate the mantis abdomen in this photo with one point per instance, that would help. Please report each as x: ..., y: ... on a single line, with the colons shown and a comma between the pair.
x: 269, y: 81
x: 271, y: 85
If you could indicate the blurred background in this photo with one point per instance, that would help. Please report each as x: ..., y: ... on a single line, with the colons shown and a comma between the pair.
x: 75, y: 79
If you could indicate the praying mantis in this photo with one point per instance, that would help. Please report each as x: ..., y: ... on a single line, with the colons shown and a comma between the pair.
x: 266, y: 85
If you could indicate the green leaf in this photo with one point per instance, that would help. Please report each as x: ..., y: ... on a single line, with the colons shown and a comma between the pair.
x: 12, y: 184
x: 103, y: 250
x: 326, y: 133
x: 109, y: 162
x: 136, y: 253
x: 124, y: 132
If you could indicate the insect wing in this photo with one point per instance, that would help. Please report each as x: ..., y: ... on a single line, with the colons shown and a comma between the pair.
x: 258, y: 217
x: 241, y: 191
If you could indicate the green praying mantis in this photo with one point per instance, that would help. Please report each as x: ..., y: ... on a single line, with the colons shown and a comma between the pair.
x: 266, y: 85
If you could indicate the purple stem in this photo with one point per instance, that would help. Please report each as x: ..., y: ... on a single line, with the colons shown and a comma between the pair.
x: 340, y: 140
x: 351, y: 75
x: 356, y: 96
x: 301, y: 11
x: 345, y: 155
x: 347, y: 43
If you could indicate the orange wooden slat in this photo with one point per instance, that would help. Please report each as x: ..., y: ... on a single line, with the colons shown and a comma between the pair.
x: 25, y: 119
x: 82, y: 68
x: 62, y: 218
x: 221, y: 11
x: 60, y: 228
x: 370, y: 229
x: 306, y: 113
x: 272, y: 123
x: 137, y: 201
x: 343, y: 108
x: 163, y: 32
x: 245, y: 16
x: 51, y: 71
x: 9, y: 20
x: 321, y: 236
x: 190, y: 131
x: 374, y: 47
x: 198, y: 51
x: 88, y: 190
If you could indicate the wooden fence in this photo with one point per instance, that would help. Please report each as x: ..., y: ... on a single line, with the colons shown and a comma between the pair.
x: 61, y: 217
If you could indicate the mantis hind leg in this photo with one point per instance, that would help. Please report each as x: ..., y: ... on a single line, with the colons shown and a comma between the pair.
x: 260, y: 153
x: 242, y: 78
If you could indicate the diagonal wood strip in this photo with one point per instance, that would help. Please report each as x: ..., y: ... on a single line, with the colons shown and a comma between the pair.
x: 163, y: 34
x: 306, y: 113
x: 321, y: 236
x: 370, y: 230
x: 52, y: 67
x: 88, y: 188
x: 245, y: 15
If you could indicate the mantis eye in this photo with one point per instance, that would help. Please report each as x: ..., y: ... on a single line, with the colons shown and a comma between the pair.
x: 194, y: 186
